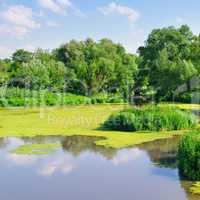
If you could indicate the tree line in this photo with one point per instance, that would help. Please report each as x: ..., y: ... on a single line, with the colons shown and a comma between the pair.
x: 169, y: 58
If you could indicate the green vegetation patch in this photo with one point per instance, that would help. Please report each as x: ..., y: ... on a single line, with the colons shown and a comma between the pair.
x: 36, y: 149
x: 151, y: 118
x: 74, y: 120
x: 189, y: 156
x: 195, y: 189
x: 18, y: 97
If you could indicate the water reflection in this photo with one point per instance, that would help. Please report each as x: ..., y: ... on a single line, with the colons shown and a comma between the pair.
x: 77, y: 145
x: 163, y: 152
x: 42, y: 139
x: 62, y: 165
x: 3, y: 143
x: 82, y: 170
x: 126, y: 156
x: 22, y: 160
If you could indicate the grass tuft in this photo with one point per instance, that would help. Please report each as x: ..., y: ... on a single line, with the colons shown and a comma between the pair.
x: 189, y: 156
x: 151, y: 118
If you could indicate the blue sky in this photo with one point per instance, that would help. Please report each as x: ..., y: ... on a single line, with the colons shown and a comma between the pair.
x: 31, y: 24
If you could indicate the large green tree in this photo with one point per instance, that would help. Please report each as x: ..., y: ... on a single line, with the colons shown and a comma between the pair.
x: 38, y: 74
x: 195, y: 52
x: 166, y: 60
x: 4, y: 71
x: 97, y: 66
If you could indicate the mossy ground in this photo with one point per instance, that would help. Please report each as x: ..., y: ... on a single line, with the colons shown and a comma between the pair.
x: 74, y: 120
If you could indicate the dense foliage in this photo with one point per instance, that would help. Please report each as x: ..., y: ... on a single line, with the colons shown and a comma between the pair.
x: 161, y: 71
x: 153, y: 118
x: 23, y: 97
x: 169, y: 59
x: 96, y: 67
x: 189, y: 156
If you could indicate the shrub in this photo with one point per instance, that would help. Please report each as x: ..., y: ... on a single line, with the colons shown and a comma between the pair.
x: 189, y: 156
x: 100, y: 98
x: 22, y: 97
x: 25, y: 97
x: 72, y: 99
x: 153, y: 118
x: 123, y: 121
x: 16, y: 101
x: 106, y: 98
x: 115, y: 98
x: 189, y: 97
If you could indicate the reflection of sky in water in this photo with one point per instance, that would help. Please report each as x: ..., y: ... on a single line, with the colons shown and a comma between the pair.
x: 64, y: 163
x: 129, y: 174
x: 45, y: 165
x: 126, y: 156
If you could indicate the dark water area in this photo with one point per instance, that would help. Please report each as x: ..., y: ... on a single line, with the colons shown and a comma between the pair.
x: 82, y: 170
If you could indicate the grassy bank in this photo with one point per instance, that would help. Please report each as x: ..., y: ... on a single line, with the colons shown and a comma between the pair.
x: 72, y: 120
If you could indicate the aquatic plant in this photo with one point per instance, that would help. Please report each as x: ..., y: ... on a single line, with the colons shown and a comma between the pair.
x: 189, y: 156
x: 37, y: 149
x: 73, y: 120
x: 151, y: 118
x: 195, y: 188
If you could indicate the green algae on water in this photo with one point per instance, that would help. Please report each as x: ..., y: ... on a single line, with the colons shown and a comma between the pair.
x: 36, y: 149
x: 73, y: 120
x: 195, y: 189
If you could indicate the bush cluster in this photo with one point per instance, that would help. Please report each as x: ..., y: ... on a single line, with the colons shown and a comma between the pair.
x: 154, y: 118
x: 106, y: 98
x: 189, y: 156
x: 189, y: 97
x: 21, y: 97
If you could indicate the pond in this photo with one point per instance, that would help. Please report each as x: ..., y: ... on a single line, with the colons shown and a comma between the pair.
x: 78, y: 169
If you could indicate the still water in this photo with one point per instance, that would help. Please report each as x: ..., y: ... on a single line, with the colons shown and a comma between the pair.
x: 80, y: 170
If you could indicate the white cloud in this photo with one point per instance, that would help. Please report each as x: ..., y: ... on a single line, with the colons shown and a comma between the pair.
x: 57, y: 165
x: 113, y: 7
x: 22, y: 160
x: 64, y: 2
x: 20, y: 15
x: 61, y: 7
x: 56, y: 6
x: 17, y: 31
x: 126, y: 156
x: 53, y: 24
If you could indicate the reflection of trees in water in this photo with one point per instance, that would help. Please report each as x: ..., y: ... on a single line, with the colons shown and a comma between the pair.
x: 186, y: 185
x: 42, y: 139
x: 74, y: 144
x: 79, y: 144
x: 163, y: 152
x: 3, y: 143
